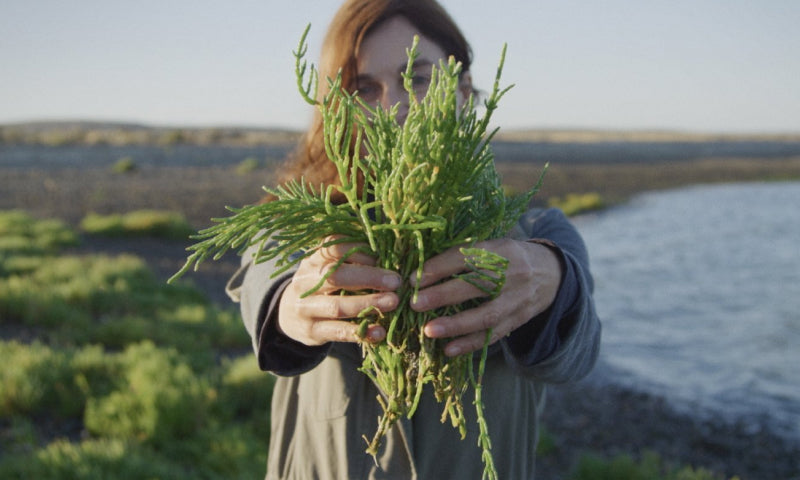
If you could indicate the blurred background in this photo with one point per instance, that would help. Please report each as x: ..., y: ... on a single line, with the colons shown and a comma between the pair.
x: 672, y: 133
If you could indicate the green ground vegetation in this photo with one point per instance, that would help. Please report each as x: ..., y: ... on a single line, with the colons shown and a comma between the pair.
x: 248, y: 166
x: 574, y: 203
x: 154, y: 223
x: 650, y: 467
x: 124, y: 165
x: 110, y: 373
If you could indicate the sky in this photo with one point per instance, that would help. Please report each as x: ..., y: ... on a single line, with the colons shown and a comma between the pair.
x: 686, y: 65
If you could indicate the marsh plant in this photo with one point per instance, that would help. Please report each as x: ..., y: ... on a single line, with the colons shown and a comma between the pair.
x: 125, y: 165
x: 110, y: 373
x: 411, y: 191
x: 152, y: 223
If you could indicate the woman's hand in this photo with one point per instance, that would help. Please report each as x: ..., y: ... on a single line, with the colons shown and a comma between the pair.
x: 532, y: 280
x: 323, y: 316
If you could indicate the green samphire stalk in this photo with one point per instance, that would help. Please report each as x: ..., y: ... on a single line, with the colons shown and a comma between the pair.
x: 411, y: 192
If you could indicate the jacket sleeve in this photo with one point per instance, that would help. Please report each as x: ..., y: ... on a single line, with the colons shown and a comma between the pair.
x: 254, y: 287
x: 562, y: 343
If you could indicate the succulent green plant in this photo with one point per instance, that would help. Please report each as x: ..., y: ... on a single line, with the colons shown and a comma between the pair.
x: 411, y: 191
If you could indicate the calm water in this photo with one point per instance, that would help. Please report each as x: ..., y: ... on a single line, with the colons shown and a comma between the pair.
x: 699, y: 293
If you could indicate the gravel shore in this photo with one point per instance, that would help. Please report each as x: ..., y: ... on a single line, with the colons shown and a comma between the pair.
x: 600, y: 416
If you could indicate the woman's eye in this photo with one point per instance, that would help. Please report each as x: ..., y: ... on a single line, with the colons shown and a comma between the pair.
x: 420, y: 83
x: 368, y: 92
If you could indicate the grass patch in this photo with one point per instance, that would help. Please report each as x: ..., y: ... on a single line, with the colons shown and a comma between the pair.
x: 143, y: 405
x: 124, y: 165
x: 650, y: 467
x: 574, y: 203
x: 248, y: 165
x: 22, y: 234
x: 127, y: 378
x: 114, y: 301
x: 153, y: 223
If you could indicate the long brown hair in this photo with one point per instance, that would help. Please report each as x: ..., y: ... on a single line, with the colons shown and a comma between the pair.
x: 354, y: 20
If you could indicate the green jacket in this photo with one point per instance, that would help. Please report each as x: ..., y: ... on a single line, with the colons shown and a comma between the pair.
x: 323, y: 408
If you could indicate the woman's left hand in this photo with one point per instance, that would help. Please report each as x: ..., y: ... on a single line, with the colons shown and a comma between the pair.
x: 532, y: 280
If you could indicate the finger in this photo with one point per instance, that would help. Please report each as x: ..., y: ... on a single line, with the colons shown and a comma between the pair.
x: 467, y: 322
x: 468, y: 330
x: 354, y: 252
x: 343, y: 331
x: 452, y: 292
x: 469, y: 343
x: 324, y: 331
x: 349, y: 277
x: 444, y: 265
x: 360, y: 277
x: 375, y: 333
x: 344, y: 306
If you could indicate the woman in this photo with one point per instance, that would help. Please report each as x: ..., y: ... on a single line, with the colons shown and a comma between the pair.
x: 544, y: 325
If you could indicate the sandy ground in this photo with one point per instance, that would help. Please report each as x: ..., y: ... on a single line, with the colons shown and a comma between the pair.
x: 592, y: 415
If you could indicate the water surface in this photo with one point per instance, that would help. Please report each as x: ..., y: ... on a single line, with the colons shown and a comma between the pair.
x: 699, y: 293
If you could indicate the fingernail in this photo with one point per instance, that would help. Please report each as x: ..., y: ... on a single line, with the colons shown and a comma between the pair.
x: 419, y: 302
x: 452, y: 351
x: 376, y: 334
x: 435, y: 331
x: 386, y: 302
x: 391, y: 282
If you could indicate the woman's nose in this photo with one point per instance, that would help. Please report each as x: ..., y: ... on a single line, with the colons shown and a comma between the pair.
x: 393, y: 96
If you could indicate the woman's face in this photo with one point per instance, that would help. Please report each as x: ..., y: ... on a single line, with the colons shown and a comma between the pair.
x: 382, y: 60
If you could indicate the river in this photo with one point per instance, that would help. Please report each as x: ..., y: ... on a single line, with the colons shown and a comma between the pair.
x: 699, y: 293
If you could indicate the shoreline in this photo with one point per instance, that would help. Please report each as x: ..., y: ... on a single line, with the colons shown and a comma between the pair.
x: 599, y: 416
x: 201, y: 192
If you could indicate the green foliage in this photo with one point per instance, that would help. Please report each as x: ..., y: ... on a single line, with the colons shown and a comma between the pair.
x: 146, y: 402
x: 124, y: 379
x: 619, y: 468
x: 573, y: 204
x: 20, y: 233
x: 90, y: 460
x: 248, y: 165
x: 159, y: 399
x: 153, y: 223
x: 547, y: 443
x: 650, y: 467
x: 128, y: 364
x: 411, y: 191
x: 38, y: 380
x: 124, y: 165
x: 245, y: 391
x: 115, y: 301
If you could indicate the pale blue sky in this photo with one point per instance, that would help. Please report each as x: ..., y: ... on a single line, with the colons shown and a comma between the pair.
x: 697, y: 65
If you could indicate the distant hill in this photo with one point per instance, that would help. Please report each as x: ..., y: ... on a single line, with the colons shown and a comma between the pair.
x: 118, y: 133
x: 650, y: 136
x: 58, y: 133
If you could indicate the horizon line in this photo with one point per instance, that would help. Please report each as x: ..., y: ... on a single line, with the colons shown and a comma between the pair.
x: 502, y: 131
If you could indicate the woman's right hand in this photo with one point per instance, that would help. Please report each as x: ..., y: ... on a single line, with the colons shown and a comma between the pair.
x: 325, y: 316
